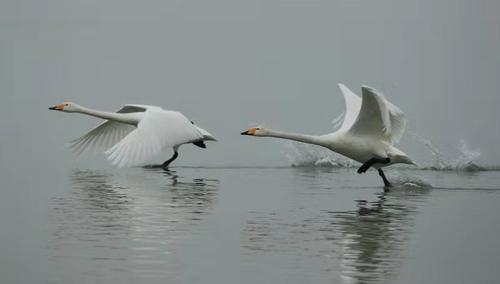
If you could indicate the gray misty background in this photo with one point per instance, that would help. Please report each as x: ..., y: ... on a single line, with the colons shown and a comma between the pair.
x: 228, y: 65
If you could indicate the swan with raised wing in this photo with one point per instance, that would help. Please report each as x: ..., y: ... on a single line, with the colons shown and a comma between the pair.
x: 370, y: 127
x: 136, y: 133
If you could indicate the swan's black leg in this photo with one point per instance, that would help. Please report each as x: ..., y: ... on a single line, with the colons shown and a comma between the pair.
x: 382, y: 175
x: 371, y: 162
x: 167, y: 162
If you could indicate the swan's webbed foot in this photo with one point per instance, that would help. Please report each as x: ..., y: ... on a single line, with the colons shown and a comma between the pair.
x: 371, y: 162
x: 156, y: 167
x: 153, y: 167
x: 167, y: 162
x: 163, y: 166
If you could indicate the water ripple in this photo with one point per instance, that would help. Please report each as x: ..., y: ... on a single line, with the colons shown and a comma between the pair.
x: 126, y: 222
x: 360, y: 245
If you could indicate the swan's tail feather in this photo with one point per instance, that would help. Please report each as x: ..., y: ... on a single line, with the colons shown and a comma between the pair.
x: 206, y: 135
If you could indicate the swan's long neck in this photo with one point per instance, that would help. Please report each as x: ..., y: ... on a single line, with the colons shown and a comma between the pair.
x: 127, y: 118
x: 304, y: 138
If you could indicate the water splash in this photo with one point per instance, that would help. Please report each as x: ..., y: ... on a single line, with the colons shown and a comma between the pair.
x: 466, y: 160
x: 409, y: 182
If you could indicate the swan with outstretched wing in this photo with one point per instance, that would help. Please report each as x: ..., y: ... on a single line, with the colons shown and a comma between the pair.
x: 136, y: 133
x: 367, y: 131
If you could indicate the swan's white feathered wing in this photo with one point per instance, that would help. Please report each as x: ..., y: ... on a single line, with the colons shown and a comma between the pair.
x: 107, y: 134
x: 398, y: 122
x: 157, y: 129
x: 352, y: 107
x: 378, y: 117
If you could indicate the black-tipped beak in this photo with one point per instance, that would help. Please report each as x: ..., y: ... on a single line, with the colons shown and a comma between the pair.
x: 59, y: 107
x: 245, y: 133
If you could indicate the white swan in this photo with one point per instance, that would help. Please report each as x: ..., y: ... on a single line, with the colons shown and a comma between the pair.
x: 135, y: 133
x: 369, y: 129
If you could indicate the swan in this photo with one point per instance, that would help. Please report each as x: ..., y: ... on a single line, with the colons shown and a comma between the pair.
x: 368, y: 130
x: 135, y: 133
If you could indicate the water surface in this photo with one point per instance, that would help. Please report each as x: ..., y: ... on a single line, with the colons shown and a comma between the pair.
x: 250, y: 225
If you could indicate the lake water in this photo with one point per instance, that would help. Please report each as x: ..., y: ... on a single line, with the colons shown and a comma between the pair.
x: 249, y: 225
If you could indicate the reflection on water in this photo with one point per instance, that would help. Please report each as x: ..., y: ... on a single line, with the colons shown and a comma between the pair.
x: 373, y: 236
x: 361, y: 245
x: 129, y: 223
x: 264, y: 225
x: 196, y: 193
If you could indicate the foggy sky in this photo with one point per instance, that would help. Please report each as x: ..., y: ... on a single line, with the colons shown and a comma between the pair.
x: 229, y: 65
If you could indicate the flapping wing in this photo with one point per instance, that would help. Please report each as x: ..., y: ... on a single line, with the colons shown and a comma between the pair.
x: 398, y: 122
x: 106, y: 134
x: 102, y: 137
x: 352, y: 108
x: 157, y: 130
x: 378, y: 117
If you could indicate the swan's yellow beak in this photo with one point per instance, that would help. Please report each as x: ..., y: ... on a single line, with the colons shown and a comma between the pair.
x: 250, y: 131
x: 57, y: 107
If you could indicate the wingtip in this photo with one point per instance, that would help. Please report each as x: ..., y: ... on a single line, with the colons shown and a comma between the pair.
x: 343, y: 88
x: 367, y: 88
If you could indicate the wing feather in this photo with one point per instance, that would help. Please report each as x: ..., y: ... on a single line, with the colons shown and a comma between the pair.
x: 398, y: 122
x: 352, y: 108
x: 378, y: 117
x: 106, y: 134
x: 102, y: 137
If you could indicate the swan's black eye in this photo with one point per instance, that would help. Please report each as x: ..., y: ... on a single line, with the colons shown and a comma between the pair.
x: 66, y: 104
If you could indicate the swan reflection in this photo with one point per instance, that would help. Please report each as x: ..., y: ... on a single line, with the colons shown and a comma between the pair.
x: 138, y: 218
x: 361, y: 243
x: 373, y: 236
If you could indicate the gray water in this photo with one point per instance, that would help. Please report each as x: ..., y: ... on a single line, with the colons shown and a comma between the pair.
x: 249, y: 225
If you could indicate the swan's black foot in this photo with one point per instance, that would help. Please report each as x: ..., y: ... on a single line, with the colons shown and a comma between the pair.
x: 371, y: 162
x: 363, y: 168
x: 167, y: 162
x: 386, y: 181
x: 163, y: 166
x: 155, y: 167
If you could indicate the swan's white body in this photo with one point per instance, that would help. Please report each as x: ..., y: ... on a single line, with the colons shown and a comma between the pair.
x: 136, y: 133
x: 370, y: 127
